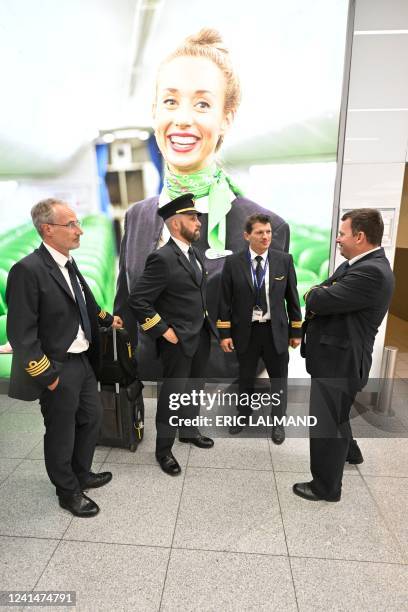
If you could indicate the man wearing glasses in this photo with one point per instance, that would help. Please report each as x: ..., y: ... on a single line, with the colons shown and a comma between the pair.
x: 52, y: 326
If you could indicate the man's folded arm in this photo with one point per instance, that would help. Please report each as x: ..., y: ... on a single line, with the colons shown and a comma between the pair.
x: 354, y: 291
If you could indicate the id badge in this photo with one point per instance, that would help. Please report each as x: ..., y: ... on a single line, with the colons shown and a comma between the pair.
x: 257, y: 314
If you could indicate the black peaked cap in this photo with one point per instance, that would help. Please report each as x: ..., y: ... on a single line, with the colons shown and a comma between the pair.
x: 184, y: 204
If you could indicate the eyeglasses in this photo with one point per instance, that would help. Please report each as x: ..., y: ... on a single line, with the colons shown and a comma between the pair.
x: 70, y: 224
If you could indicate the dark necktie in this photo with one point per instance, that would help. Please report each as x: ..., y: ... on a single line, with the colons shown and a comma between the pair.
x: 85, y: 323
x: 261, y: 293
x: 197, y: 272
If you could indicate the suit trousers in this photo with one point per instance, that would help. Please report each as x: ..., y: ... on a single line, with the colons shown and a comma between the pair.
x: 181, y: 374
x: 330, y: 402
x: 72, y: 417
x: 261, y: 345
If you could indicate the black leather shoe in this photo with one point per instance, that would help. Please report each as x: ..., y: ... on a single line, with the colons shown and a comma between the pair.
x: 236, y: 429
x: 96, y: 480
x: 79, y: 505
x: 303, y: 489
x: 200, y: 441
x: 354, y: 456
x: 278, y: 434
x: 169, y: 465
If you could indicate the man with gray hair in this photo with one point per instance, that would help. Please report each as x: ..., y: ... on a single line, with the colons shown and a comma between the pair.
x: 52, y: 326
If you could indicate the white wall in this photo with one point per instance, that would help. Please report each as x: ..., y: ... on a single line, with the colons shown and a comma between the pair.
x: 376, y: 139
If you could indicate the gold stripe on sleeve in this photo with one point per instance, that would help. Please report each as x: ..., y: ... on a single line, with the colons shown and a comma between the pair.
x: 223, y: 324
x: 151, y: 322
x: 35, y: 368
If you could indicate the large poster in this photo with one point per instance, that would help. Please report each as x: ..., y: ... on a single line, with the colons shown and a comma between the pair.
x: 302, y: 193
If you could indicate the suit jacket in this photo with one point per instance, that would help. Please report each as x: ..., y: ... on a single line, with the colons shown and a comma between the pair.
x: 168, y: 295
x: 342, y: 320
x: 42, y: 323
x: 238, y: 298
x: 143, y: 228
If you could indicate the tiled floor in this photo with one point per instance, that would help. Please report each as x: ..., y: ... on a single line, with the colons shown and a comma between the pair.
x: 228, y: 534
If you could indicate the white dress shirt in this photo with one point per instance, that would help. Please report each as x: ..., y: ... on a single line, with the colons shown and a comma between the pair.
x: 80, y: 344
x: 184, y: 246
x: 357, y: 257
x: 267, y: 315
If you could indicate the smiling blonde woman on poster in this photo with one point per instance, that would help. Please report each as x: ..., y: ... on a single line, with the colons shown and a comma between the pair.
x: 197, y: 97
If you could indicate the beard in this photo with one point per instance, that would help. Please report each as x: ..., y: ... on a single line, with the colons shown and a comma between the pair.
x: 189, y: 235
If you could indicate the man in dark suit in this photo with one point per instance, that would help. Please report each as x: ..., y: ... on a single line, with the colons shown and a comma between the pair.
x: 256, y: 284
x: 169, y: 301
x: 145, y: 232
x: 343, y: 315
x: 52, y: 326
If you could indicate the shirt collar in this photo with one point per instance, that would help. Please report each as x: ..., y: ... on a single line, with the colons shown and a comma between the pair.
x: 182, y: 245
x: 357, y: 257
x: 253, y: 255
x: 57, y: 256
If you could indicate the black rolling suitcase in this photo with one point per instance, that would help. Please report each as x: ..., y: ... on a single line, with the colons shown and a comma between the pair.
x: 120, y: 391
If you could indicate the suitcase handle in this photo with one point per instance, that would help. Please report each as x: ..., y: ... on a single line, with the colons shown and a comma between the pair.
x: 115, y: 356
x: 115, y: 347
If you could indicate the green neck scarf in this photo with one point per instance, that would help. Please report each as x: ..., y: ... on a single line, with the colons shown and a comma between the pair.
x: 211, y: 182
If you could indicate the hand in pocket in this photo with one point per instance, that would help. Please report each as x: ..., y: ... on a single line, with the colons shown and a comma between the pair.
x: 54, y: 385
x: 170, y: 336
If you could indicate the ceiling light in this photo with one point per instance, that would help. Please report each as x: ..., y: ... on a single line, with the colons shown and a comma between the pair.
x: 377, y: 110
x: 357, y: 139
x: 132, y: 133
x: 376, y: 32
x: 7, y: 187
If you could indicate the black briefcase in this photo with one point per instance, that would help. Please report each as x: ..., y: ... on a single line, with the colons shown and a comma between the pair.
x: 118, y: 363
x: 120, y: 392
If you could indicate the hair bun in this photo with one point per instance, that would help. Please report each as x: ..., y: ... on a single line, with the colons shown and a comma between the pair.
x: 207, y: 37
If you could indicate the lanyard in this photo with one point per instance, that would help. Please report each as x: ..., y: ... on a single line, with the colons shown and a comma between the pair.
x: 258, y: 286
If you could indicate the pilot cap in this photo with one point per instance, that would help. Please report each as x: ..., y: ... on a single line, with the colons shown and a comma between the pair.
x: 184, y: 204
